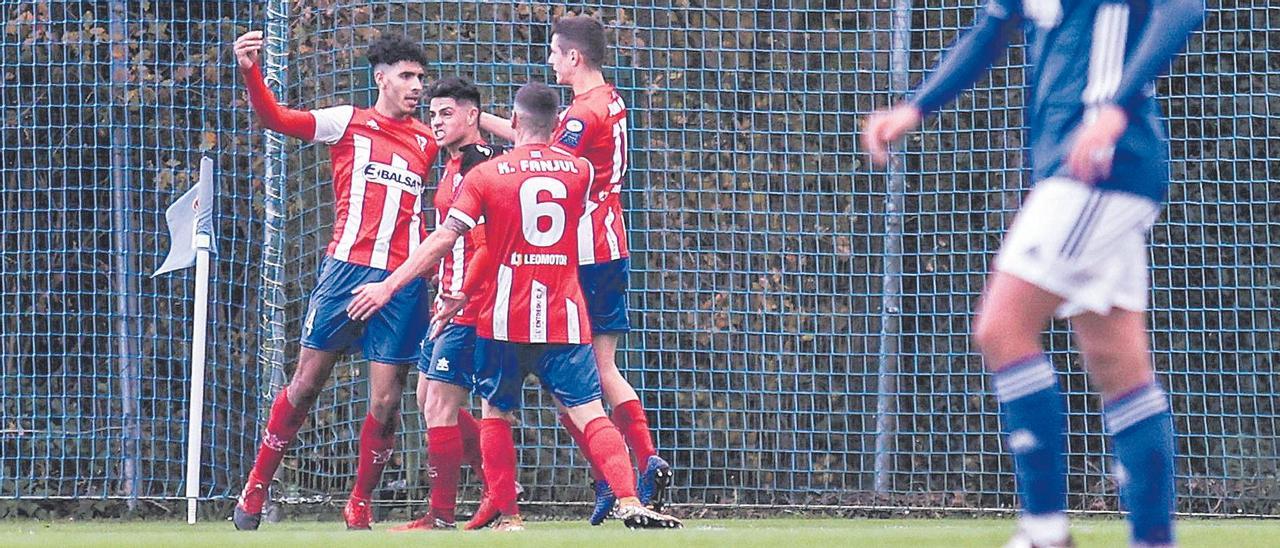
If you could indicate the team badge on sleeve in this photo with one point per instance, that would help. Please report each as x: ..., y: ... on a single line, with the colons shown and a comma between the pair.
x: 573, y: 129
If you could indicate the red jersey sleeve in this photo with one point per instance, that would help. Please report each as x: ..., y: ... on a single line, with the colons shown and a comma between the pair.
x: 294, y: 123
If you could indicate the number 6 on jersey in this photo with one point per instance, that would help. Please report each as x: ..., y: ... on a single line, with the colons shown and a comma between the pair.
x: 532, y: 200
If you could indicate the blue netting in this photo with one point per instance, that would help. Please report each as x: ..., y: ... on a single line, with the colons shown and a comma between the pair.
x: 108, y: 109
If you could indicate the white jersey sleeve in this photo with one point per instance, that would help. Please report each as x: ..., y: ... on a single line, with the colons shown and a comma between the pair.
x: 331, y: 123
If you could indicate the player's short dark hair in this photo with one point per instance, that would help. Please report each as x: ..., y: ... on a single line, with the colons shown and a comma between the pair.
x: 393, y: 48
x: 538, y: 106
x: 584, y: 34
x: 456, y: 88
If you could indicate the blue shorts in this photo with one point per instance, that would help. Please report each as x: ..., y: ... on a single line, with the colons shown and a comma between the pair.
x: 450, y: 357
x: 605, y: 286
x: 568, y: 371
x: 393, y: 335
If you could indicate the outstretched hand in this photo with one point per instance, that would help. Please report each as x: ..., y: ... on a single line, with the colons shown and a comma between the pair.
x: 886, y: 126
x: 451, y: 305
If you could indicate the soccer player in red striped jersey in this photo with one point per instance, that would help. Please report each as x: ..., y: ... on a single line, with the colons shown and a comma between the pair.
x: 446, y: 367
x: 380, y: 157
x: 594, y: 127
x: 534, y: 316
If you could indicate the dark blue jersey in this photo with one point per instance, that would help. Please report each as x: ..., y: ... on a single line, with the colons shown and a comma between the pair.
x: 1082, y: 54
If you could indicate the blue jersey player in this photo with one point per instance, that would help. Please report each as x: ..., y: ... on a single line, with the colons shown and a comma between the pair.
x: 1077, y: 248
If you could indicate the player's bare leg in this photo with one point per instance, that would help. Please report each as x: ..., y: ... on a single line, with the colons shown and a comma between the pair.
x: 288, y: 413
x: 377, y: 439
x: 1011, y: 318
x: 605, y: 447
x: 1115, y: 350
x: 629, y: 416
x: 1136, y: 413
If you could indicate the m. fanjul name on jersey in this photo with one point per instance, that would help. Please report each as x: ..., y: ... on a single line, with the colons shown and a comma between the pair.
x: 539, y: 166
x: 553, y: 259
x: 389, y: 175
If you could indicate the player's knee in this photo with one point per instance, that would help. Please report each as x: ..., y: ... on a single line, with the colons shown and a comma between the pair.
x: 1106, y: 358
x: 987, y: 333
x: 440, y: 411
x: 384, y: 405
x: 304, y: 389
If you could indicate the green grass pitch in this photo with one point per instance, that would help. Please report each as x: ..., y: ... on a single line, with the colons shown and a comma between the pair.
x: 738, y: 533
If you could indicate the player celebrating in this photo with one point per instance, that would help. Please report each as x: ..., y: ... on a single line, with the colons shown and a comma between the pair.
x: 1077, y: 247
x: 534, y: 315
x: 595, y: 128
x: 380, y: 156
x: 445, y: 380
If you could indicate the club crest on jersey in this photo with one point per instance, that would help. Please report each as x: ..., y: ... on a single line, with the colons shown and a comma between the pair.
x: 573, y: 129
x: 457, y: 181
x: 373, y: 124
x: 422, y: 142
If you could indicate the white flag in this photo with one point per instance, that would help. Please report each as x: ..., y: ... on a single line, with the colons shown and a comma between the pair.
x: 188, y: 217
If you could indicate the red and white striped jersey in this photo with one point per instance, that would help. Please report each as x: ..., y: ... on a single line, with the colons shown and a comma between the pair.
x: 594, y: 127
x: 455, y: 266
x: 532, y: 199
x: 379, y: 164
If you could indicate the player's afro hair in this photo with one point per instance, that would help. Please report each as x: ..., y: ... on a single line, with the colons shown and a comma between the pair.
x: 393, y: 48
x: 456, y: 88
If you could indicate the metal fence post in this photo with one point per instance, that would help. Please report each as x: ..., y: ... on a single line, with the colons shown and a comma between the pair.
x: 123, y: 282
x: 271, y: 354
x: 891, y: 306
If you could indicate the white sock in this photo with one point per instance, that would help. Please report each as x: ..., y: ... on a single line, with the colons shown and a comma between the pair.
x: 1045, y: 528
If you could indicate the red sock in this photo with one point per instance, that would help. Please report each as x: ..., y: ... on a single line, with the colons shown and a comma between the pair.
x: 444, y: 457
x: 582, y: 444
x: 376, y: 443
x: 606, y: 449
x: 499, y: 451
x: 635, y: 428
x: 282, y: 428
x: 470, y: 431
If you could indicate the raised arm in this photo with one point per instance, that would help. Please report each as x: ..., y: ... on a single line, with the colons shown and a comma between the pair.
x: 294, y: 123
x: 497, y: 125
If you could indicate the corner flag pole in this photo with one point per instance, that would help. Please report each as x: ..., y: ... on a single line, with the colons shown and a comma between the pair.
x: 203, y: 240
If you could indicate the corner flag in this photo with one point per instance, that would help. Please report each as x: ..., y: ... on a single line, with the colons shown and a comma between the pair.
x: 189, y: 216
x: 191, y: 233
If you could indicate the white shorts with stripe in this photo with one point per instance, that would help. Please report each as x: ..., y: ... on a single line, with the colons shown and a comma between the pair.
x: 1085, y: 245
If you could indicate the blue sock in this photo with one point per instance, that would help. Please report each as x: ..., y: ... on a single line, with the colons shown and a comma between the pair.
x: 1035, y: 419
x: 1142, y: 432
